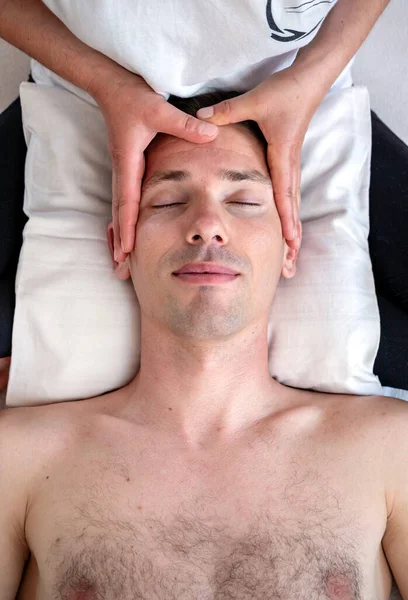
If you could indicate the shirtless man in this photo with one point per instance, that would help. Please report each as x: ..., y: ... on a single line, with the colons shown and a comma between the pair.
x: 204, y: 477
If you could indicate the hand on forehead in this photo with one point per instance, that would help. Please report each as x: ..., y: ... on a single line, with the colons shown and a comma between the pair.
x: 235, y: 157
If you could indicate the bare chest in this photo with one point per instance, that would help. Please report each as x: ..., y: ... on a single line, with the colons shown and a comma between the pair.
x: 133, y: 522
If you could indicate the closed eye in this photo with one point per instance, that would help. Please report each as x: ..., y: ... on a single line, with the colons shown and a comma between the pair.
x: 178, y: 203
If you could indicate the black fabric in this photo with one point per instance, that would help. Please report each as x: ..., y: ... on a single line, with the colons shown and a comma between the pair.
x: 12, y: 218
x: 388, y: 239
x: 388, y: 244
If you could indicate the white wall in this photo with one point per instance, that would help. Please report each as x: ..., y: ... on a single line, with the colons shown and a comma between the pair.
x: 14, y: 68
x: 381, y: 64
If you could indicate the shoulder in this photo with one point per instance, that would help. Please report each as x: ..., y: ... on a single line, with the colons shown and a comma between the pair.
x: 381, y: 414
x: 26, y: 423
x: 31, y: 436
x: 393, y: 442
x: 25, y: 434
x: 392, y: 439
x: 375, y: 427
x: 377, y: 424
x: 47, y: 425
x: 389, y: 418
x: 381, y: 422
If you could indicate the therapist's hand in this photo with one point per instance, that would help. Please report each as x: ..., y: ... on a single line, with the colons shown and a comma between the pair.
x: 134, y: 113
x: 4, y: 372
x: 283, y: 106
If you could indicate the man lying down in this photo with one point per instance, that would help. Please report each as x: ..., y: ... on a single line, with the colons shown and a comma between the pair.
x: 205, y: 478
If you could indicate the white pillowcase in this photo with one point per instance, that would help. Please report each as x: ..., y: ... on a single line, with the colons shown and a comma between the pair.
x: 76, y: 327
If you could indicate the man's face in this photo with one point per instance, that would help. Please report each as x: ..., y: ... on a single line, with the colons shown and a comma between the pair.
x: 209, y: 223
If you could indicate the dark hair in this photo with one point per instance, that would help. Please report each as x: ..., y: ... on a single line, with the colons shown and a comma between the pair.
x: 193, y: 104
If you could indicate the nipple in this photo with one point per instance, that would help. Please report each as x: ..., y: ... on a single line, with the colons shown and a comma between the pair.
x: 338, y: 587
x: 78, y: 595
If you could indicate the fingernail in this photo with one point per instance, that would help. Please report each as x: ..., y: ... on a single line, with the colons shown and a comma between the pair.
x: 122, y: 245
x: 208, y: 129
x: 205, y: 113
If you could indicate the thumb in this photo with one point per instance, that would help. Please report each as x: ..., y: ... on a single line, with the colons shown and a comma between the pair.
x: 173, y: 121
x: 233, y: 110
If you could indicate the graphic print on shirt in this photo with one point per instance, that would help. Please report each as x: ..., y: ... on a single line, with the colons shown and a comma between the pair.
x: 292, y: 20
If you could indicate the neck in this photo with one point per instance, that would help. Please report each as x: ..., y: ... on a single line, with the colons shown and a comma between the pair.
x: 202, y: 389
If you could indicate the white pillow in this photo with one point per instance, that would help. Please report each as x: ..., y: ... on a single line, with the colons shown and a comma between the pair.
x: 76, y: 327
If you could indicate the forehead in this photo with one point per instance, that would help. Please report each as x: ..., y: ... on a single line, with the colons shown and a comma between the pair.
x: 234, y: 148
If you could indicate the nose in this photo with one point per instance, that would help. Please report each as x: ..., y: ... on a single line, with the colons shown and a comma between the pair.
x: 207, y: 227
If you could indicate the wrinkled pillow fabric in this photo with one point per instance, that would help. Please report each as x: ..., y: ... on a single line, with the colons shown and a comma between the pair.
x: 76, y: 330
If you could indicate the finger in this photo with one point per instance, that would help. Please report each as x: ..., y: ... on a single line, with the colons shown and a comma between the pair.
x: 295, y: 243
x: 119, y: 255
x: 233, y: 110
x: 298, y: 199
x: 128, y: 169
x: 173, y: 121
x: 282, y: 166
x: 298, y: 183
x: 130, y: 183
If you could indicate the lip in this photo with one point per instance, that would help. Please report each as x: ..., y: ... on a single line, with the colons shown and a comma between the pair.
x: 205, y: 278
x: 208, y: 267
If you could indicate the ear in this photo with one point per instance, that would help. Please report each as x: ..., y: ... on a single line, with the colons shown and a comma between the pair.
x: 121, y: 269
x: 289, y: 261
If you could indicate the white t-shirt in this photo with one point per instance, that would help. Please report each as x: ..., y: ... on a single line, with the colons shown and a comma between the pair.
x: 187, y: 47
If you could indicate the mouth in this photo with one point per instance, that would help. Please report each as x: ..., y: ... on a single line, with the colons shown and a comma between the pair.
x: 205, y: 278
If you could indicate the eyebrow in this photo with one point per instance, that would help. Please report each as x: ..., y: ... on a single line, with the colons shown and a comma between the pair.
x: 225, y: 174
